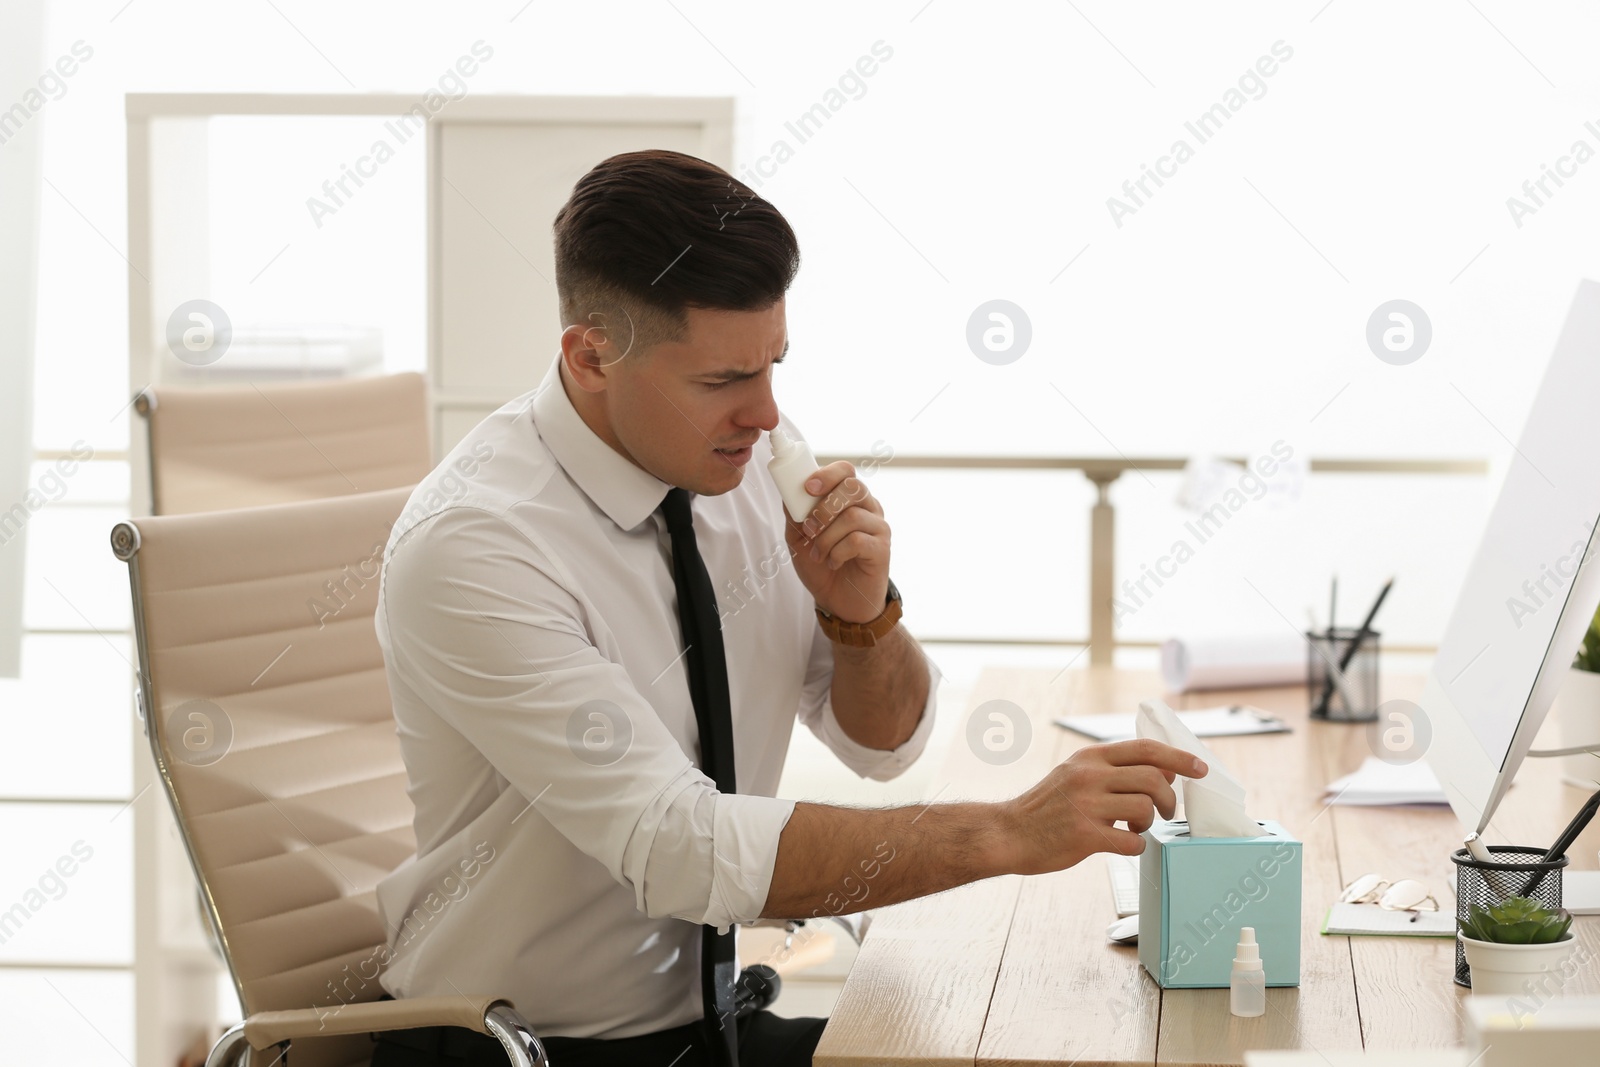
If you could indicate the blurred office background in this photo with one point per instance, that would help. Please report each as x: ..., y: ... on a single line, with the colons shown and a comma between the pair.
x: 963, y: 154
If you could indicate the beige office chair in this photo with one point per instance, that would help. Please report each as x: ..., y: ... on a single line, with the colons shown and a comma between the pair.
x: 263, y: 694
x: 245, y: 446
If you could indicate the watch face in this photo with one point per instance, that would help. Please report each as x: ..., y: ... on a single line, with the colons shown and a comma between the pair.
x: 894, y: 593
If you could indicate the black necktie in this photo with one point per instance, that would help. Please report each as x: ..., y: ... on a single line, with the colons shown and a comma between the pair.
x: 707, y: 665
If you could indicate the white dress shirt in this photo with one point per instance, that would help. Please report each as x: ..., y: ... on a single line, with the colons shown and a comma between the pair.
x: 568, y: 845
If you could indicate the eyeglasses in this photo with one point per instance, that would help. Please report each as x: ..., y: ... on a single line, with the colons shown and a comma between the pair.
x: 1404, y: 895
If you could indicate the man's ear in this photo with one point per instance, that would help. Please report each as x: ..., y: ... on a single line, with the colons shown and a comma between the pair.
x: 587, y: 353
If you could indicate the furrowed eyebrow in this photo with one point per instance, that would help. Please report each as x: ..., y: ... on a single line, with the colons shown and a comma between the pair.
x: 734, y: 375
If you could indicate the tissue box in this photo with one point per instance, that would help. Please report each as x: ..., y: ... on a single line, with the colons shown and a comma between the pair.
x: 1196, y: 892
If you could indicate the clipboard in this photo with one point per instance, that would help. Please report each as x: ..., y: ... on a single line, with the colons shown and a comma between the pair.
x: 1229, y: 720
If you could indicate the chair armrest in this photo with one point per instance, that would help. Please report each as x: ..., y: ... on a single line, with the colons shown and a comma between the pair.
x: 856, y: 924
x: 267, y: 1028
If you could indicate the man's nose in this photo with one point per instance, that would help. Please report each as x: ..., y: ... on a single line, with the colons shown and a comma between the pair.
x: 761, y: 411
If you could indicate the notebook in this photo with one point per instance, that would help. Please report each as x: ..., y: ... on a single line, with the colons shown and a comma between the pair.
x: 1371, y: 919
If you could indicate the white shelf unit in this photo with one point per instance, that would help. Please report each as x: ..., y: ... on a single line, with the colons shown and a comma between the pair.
x: 497, y: 168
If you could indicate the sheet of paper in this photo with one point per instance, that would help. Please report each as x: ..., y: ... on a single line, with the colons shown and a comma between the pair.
x: 1370, y: 1058
x: 1580, y: 892
x: 1379, y: 784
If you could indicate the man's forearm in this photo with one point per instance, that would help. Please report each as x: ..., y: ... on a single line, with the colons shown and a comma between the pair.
x: 878, y: 693
x: 834, y: 861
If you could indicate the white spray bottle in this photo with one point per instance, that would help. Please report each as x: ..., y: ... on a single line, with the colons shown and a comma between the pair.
x: 791, y: 464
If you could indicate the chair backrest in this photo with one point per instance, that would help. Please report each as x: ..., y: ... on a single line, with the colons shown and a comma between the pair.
x: 264, y: 697
x: 247, y: 446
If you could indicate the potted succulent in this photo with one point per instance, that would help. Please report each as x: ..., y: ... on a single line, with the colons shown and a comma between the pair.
x: 1509, y: 943
x: 1577, y: 710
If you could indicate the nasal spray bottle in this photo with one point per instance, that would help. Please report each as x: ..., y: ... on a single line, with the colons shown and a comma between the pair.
x: 1247, y: 990
x: 791, y: 464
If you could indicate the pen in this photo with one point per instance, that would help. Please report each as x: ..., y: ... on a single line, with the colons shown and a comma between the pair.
x: 1354, y: 647
x: 1480, y: 852
x: 1335, y: 678
x: 1564, y: 842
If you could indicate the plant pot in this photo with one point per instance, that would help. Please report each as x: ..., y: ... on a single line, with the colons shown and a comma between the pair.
x: 1503, y: 970
x: 1577, y: 712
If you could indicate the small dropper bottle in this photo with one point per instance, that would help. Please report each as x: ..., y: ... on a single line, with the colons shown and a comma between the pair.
x: 791, y: 464
x: 1247, y: 989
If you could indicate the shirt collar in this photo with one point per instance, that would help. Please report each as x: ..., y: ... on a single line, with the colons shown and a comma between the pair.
x: 625, y: 492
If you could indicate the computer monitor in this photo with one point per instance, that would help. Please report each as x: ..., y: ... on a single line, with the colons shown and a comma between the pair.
x: 1532, y: 588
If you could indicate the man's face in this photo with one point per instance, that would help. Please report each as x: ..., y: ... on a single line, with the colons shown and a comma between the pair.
x: 688, y: 411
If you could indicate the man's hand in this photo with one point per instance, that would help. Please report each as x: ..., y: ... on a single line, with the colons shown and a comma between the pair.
x: 934, y: 847
x: 1069, y: 814
x: 841, y: 553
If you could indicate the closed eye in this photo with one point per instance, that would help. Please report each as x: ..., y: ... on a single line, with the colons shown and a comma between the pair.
x: 732, y: 378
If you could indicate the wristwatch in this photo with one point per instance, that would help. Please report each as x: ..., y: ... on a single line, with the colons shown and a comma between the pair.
x: 863, y: 634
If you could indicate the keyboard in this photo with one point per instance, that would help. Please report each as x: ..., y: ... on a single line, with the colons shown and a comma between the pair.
x: 1124, y: 871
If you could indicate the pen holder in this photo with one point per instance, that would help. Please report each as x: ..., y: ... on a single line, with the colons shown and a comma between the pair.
x: 1358, y: 700
x: 1485, y: 884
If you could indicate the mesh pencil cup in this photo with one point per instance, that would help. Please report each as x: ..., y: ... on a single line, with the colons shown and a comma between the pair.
x: 1357, y: 699
x: 1486, y: 884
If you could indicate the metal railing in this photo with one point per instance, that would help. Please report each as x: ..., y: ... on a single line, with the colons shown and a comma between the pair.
x: 1103, y: 517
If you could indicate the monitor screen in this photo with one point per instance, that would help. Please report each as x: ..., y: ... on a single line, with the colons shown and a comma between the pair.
x: 1532, y: 586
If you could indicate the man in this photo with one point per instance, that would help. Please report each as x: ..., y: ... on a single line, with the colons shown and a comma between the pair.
x: 599, y: 628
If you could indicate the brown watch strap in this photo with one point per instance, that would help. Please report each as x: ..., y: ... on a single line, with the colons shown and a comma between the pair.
x: 860, y: 634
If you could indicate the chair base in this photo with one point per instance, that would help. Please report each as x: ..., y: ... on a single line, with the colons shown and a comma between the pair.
x: 523, y: 1049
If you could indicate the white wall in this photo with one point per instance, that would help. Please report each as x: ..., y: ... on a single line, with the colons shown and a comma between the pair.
x: 21, y: 60
x: 975, y: 163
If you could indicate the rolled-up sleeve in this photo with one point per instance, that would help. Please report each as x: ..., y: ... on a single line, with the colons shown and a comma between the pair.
x: 482, y: 621
x: 816, y: 711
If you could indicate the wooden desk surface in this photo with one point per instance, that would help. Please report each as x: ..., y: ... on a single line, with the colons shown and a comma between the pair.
x: 1013, y: 970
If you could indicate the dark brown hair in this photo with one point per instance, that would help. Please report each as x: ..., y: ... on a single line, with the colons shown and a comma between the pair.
x: 654, y: 233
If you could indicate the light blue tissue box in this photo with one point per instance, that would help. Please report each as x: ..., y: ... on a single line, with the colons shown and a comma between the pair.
x: 1195, y: 893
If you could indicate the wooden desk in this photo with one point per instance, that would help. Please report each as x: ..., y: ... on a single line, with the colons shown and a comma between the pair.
x: 1015, y: 970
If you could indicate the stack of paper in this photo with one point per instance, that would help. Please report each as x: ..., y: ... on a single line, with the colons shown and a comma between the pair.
x: 294, y: 352
x: 1378, y: 784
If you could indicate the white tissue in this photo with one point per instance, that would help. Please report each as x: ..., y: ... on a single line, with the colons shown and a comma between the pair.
x: 1214, y: 805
